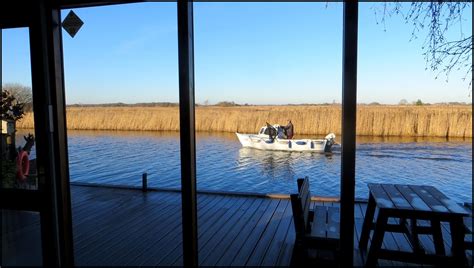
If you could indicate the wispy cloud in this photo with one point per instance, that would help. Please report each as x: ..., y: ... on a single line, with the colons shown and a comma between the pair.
x: 145, y: 35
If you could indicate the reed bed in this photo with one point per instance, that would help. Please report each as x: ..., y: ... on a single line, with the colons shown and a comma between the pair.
x: 384, y: 120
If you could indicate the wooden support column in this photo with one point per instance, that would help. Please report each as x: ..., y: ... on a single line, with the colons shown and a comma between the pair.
x: 349, y: 109
x: 50, y: 130
x: 187, y: 132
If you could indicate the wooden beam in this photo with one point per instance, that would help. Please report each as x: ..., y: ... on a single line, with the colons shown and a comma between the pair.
x: 187, y: 132
x: 19, y: 199
x: 62, y: 193
x: 14, y: 14
x: 40, y: 83
x: 66, y: 4
x: 349, y: 110
x: 50, y: 131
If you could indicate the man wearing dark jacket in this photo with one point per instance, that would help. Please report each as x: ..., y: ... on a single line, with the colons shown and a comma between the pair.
x: 289, y: 130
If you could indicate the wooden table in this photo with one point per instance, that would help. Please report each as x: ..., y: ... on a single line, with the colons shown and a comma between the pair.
x: 408, y: 204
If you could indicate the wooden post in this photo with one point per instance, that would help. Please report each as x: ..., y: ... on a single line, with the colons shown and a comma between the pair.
x: 187, y: 132
x: 144, y: 182
x: 349, y: 109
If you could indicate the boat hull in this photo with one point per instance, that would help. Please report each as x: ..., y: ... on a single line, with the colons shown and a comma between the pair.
x: 303, y: 145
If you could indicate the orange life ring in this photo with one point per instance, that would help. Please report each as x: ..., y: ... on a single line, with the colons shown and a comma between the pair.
x: 22, y: 166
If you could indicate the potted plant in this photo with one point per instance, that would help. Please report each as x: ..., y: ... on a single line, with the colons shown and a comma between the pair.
x: 11, y: 110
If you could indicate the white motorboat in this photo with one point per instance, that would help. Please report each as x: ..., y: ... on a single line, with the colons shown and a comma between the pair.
x: 263, y: 141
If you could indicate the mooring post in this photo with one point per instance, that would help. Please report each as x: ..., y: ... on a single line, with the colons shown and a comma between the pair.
x: 144, y: 182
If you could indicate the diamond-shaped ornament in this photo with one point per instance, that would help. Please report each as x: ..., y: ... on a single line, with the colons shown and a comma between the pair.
x: 72, y: 23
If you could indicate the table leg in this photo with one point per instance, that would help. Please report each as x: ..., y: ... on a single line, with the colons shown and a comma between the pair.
x: 457, y: 241
x: 377, y: 239
x: 403, y: 221
x: 368, y: 219
x: 415, y: 241
x: 438, y: 237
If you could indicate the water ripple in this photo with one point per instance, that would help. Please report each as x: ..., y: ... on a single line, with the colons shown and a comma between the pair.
x: 121, y: 158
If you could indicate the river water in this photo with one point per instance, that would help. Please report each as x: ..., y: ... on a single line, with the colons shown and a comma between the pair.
x: 120, y: 158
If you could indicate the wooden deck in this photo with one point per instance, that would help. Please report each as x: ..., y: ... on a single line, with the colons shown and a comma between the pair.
x: 127, y: 227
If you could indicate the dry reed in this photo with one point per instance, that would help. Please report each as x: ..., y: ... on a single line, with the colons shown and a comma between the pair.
x: 420, y: 121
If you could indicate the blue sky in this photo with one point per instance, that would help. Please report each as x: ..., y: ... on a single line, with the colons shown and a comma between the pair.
x: 256, y: 53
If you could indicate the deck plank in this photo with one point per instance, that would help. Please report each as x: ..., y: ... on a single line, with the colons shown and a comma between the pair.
x: 128, y: 227
x: 214, y: 224
x: 212, y: 237
x: 158, y: 231
x: 84, y: 213
x: 100, y: 229
x: 171, y: 235
x: 220, y: 247
x: 247, y: 248
x: 172, y: 249
x: 241, y: 239
x: 137, y: 233
x: 110, y: 234
x: 286, y: 252
x: 159, y: 228
x: 206, y: 223
x: 264, y: 242
x: 274, y: 251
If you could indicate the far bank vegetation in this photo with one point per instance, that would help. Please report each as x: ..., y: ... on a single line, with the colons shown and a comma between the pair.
x: 372, y: 120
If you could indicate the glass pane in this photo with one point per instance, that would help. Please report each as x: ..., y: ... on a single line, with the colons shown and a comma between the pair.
x: 121, y: 72
x: 18, y: 143
x: 21, y: 238
x: 267, y: 62
x: 259, y: 63
x: 414, y: 123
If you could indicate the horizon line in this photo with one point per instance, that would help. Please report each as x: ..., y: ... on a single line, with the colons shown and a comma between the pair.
x: 232, y: 104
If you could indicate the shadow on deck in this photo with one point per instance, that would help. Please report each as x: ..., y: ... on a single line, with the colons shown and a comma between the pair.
x: 127, y: 227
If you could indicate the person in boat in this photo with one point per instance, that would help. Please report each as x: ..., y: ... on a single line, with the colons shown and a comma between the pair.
x: 289, y: 130
x: 281, y: 132
x: 272, y: 132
